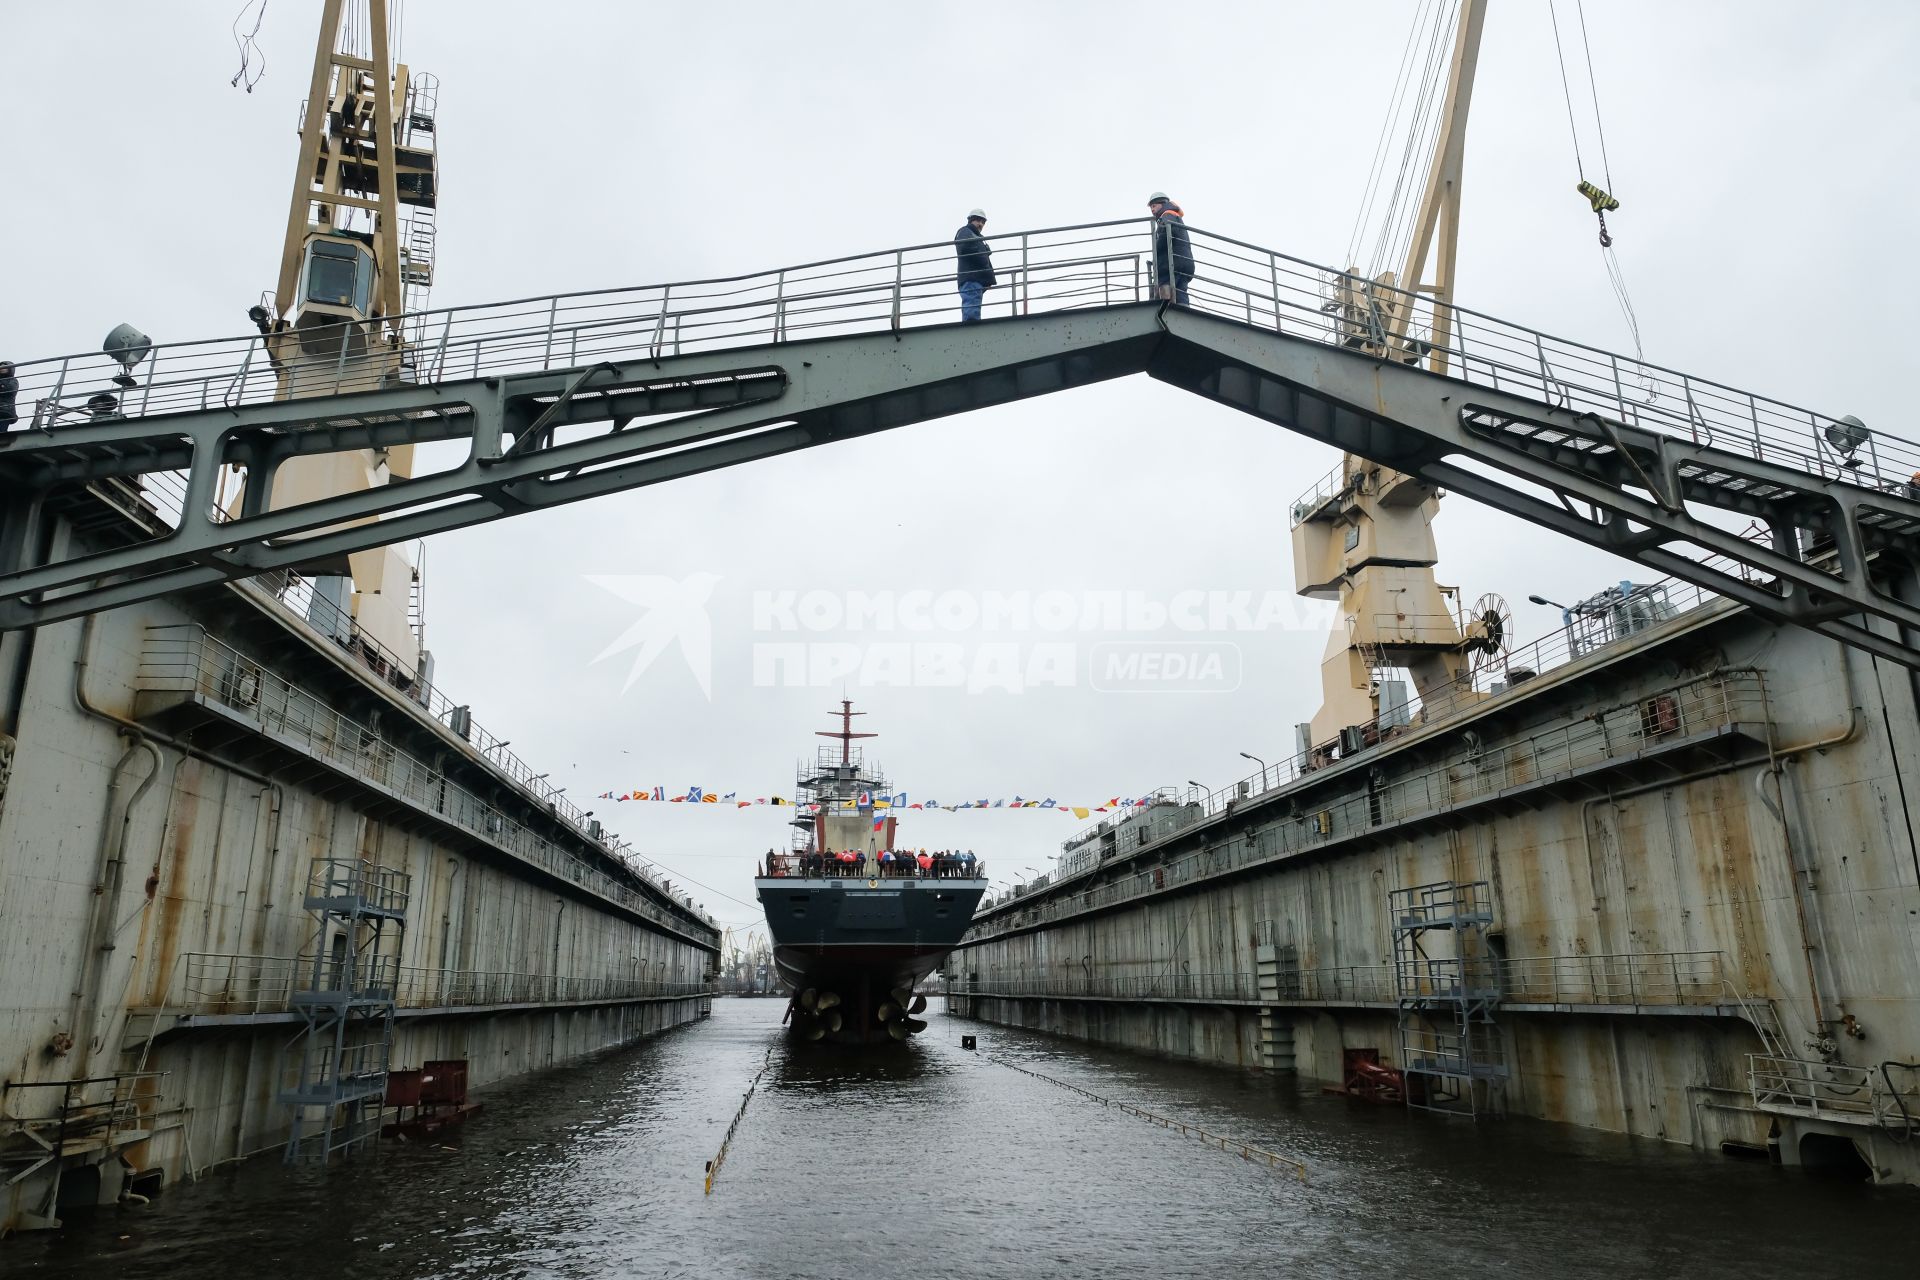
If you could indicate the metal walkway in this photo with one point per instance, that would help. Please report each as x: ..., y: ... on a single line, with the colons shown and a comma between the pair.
x: 569, y: 397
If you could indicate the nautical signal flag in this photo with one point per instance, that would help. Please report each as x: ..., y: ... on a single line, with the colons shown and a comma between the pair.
x: 869, y: 802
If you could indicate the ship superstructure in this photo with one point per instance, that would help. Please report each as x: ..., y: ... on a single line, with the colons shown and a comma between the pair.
x: 857, y: 918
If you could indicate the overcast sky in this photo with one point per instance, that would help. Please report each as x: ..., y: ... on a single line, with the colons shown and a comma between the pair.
x: 1763, y: 154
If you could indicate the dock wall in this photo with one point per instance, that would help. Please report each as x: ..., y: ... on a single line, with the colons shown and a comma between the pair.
x: 171, y: 776
x: 1702, y: 918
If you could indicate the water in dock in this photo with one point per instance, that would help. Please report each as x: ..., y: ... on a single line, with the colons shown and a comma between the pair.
x: 936, y: 1161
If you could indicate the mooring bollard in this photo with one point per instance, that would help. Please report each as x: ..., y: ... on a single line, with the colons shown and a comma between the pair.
x: 966, y: 1042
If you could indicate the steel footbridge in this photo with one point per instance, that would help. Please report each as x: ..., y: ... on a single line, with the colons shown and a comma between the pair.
x: 1808, y: 519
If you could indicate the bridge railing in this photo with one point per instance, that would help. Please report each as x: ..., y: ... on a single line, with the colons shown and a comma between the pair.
x: 1062, y: 268
x: 1054, y: 269
x: 1256, y: 286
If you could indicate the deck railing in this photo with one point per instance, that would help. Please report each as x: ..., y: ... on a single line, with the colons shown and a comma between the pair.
x: 1649, y: 979
x: 184, y: 659
x: 1719, y: 701
x: 214, y: 983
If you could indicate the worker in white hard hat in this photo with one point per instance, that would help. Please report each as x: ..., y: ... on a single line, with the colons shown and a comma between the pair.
x: 1172, y: 249
x: 976, y: 264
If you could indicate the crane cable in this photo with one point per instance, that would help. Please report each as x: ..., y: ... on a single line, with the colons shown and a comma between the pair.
x: 1397, y: 102
x: 248, y: 74
x: 1600, y: 199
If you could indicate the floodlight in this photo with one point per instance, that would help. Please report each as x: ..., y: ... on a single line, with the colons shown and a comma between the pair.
x: 129, y: 346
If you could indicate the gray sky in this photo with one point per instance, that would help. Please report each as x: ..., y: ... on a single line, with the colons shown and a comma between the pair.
x: 1763, y: 154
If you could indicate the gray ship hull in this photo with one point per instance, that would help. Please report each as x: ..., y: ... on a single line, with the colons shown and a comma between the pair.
x: 861, y: 940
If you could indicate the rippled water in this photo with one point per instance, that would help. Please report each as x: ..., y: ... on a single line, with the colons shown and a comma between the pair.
x: 933, y: 1161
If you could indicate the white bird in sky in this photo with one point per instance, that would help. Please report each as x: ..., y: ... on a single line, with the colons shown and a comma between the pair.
x: 675, y: 610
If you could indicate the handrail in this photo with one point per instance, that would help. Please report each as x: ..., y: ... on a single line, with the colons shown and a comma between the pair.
x: 1289, y: 293
x: 1714, y: 702
x: 216, y: 983
x: 1676, y: 599
x: 184, y: 659
x: 1636, y: 979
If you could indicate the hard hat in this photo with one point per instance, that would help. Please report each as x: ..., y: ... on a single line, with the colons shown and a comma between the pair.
x: 1159, y: 195
x: 977, y: 213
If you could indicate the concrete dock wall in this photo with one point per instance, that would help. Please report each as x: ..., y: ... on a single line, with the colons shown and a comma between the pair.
x: 158, y: 841
x: 1705, y: 899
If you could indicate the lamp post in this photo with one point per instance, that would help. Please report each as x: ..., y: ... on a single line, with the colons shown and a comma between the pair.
x: 1566, y: 621
x: 1248, y: 755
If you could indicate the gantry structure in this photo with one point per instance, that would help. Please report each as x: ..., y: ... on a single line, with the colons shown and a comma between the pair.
x: 1808, y: 518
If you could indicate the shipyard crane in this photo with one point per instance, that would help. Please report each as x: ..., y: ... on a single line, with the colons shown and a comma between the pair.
x: 1364, y: 536
x: 356, y: 262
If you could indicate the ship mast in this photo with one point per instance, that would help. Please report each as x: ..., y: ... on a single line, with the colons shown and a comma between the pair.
x: 845, y: 732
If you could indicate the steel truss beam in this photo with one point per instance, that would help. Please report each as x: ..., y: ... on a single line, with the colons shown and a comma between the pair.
x: 1829, y: 540
x: 1609, y: 484
x: 732, y: 407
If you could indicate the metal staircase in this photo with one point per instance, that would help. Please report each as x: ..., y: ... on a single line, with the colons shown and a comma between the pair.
x: 664, y: 381
x: 1450, y: 1048
x: 339, y: 1060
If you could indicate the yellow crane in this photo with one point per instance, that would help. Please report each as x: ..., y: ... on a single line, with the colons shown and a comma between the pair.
x: 357, y: 260
x: 1366, y: 540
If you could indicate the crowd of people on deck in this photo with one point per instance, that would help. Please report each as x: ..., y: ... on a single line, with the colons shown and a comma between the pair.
x: 937, y: 864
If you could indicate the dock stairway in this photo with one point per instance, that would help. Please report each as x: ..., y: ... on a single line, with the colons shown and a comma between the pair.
x: 339, y: 1061
x: 1446, y: 986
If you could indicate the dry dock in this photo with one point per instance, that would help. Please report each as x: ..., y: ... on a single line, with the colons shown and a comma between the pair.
x: 250, y: 860
x: 1663, y: 884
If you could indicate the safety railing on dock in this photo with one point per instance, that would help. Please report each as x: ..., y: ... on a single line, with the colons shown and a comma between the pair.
x: 185, y: 660
x: 1721, y: 701
x: 44, y: 1121
x: 1649, y: 979
x: 294, y: 595
x: 1656, y: 978
x: 1820, y: 1088
x: 211, y: 983
x: 1658, y: 603
x: 1162, y: 986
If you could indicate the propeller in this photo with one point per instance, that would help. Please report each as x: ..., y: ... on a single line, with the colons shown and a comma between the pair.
x: 919, y: 1005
